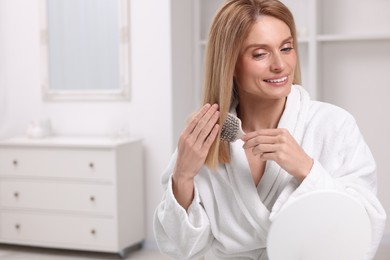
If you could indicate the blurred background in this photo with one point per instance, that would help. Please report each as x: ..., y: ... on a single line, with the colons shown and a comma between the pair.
x: 139, y: 72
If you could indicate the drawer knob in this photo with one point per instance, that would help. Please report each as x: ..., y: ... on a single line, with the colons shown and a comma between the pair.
x: 93, y: 231
x: 92, y: 198
x: 91, y: 165
x: 17, y: 226
x: 16, y: 194
x: 15, y: 162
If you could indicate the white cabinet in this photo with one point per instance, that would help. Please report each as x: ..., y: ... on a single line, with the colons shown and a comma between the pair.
x: 72, y: 193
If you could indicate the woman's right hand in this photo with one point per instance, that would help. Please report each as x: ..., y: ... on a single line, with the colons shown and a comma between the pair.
x: 194, y: 145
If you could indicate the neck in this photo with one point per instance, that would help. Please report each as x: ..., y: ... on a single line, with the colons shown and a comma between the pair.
x: 260, y: 114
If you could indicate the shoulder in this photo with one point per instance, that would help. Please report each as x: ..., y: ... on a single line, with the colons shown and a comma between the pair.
x: 321, y: 113
x: 329, y: 114
x: 330, y: 121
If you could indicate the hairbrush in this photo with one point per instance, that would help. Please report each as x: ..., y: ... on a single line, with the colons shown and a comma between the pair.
x: 231, y: 129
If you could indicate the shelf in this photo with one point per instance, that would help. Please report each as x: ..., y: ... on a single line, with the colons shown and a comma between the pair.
x: 356, y: 37
x: 320, y: 24
x: 303, y: 40
x: 300, y: 40
x: 353, y: 17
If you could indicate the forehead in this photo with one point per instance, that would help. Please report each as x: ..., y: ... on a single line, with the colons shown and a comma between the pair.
x: 268, y: 30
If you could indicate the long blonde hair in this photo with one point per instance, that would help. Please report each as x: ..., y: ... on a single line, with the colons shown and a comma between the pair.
x: 230, y: 28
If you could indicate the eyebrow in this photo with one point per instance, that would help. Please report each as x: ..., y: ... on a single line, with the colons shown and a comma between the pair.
x: 261, y: 46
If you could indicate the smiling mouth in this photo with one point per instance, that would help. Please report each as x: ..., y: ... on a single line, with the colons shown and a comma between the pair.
x: 283, y: 79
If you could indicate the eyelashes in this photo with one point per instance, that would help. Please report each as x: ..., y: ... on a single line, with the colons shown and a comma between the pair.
x: 288, y: 49
x: 261, y: 55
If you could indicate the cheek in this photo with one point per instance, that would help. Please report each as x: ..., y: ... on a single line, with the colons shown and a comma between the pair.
x: 250, y: 69
x: 293, y: 69
x: 292, y: 60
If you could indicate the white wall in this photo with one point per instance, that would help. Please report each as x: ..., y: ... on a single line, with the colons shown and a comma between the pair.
x: 184, y: 99
x: 355, y: 81
x: 148, y: 114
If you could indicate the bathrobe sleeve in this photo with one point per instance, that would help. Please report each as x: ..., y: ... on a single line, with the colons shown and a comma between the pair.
x: 346, y: 164
x: 179, y: 233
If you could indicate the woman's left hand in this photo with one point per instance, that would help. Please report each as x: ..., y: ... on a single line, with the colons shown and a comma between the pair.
x: 278, y: 145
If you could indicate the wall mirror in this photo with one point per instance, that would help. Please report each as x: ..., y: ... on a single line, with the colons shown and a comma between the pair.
x: 85, y: 49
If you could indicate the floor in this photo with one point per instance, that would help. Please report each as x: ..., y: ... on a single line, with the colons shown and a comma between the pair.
x: 29, y: 253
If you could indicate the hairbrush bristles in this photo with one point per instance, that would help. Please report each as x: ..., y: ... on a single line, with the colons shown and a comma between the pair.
x: 231, y: 129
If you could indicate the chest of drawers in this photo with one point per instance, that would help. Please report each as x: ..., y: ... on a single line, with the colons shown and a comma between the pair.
x: 72, y: 193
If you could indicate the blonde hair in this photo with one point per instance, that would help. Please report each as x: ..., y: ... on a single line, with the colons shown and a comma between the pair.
x: 230, y: 28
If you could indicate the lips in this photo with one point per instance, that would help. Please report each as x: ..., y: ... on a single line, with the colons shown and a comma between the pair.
x: 279, y: 80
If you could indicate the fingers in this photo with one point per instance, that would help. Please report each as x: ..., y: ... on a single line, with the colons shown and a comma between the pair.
x: 207, y: 129
x: 194, y: 121
x: 196, y: 140
x: 211, y: 137
x: 265, y: 132
x: 202, y: 123
x: 266, y: 136
x: 266, y: 142
x: 264, y: 148
x: 250, y: 143
x: 280, y: 146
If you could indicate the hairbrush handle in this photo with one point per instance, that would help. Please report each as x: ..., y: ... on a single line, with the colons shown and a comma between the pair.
x: 240, y: 132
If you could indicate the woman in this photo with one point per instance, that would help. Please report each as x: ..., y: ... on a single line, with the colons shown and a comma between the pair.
x: 224, y: 195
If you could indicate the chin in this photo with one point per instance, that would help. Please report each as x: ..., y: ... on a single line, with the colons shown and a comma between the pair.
x: 279, y: 91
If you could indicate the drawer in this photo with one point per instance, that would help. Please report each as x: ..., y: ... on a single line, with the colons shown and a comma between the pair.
x: 56, y: 162
x: 90, y: 198
x: 58, y: 231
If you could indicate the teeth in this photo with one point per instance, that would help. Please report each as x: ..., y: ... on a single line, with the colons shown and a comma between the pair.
x: 277, y: 80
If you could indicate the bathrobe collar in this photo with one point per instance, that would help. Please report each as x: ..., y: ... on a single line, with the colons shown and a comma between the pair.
x: 254, y: 201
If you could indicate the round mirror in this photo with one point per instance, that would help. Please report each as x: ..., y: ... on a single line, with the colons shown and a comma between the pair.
x: 320, y: 225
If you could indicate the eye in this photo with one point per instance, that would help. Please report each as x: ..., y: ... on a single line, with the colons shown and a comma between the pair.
x: 259, y: 55
x: 287, y: 49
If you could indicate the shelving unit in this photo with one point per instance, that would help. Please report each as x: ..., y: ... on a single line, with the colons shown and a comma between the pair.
x: 320, y: 23
x: 344, y: 48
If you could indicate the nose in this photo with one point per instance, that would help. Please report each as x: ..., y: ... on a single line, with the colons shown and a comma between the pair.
x: 277, y: 62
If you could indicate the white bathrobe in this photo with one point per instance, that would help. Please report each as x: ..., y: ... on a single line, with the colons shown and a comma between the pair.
x: 232, y: 216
